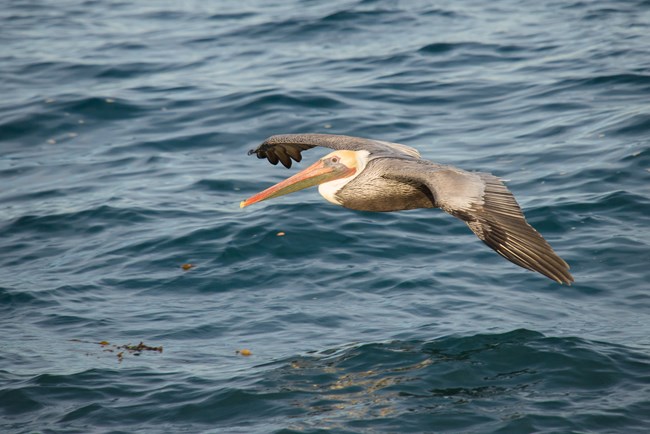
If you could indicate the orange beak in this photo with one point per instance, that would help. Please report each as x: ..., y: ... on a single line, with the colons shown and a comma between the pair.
x: 318, y: 173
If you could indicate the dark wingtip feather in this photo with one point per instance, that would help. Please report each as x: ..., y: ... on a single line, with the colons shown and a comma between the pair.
x: 273, y: 159
x: 501, y: 224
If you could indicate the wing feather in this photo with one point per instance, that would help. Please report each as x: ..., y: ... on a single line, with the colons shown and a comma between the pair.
x: 285, y: 147
x: 490, y: 210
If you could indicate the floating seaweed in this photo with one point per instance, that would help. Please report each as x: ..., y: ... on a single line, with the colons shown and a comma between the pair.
x: 121, y: 350
x: 136, y: 349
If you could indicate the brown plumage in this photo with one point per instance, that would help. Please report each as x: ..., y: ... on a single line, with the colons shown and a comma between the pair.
x: 373, y: 175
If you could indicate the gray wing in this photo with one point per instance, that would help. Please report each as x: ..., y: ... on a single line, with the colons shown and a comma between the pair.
x: 285, y: 147
x: 490, y: 210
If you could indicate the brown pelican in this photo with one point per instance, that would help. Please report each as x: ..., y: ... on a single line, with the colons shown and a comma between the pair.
x: 373, y: 175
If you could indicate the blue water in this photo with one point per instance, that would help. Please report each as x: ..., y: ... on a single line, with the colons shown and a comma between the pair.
x: 124, y: 128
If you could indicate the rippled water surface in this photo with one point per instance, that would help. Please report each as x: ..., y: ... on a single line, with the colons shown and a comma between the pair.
x: 123, y: 136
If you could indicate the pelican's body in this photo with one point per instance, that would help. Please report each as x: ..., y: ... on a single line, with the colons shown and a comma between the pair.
x: 370, y: 191
x: 372, y: 175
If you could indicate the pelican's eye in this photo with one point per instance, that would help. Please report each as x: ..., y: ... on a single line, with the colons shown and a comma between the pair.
x: 335, y: 159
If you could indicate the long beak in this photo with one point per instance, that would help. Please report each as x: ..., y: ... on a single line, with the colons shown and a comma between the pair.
x: 315, y: 174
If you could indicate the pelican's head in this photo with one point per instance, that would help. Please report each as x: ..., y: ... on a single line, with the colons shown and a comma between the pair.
x: 336, y: 166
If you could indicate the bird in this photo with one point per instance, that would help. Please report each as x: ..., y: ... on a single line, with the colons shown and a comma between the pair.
x: 374, y: 175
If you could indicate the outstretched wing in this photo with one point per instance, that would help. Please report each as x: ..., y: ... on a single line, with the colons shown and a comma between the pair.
x: 285, y: 147
x: 491, y: 212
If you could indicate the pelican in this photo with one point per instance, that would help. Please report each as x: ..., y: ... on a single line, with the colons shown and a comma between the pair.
x: 373, y: 175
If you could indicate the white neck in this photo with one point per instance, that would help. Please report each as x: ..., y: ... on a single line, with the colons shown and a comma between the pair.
x: 329, y: 189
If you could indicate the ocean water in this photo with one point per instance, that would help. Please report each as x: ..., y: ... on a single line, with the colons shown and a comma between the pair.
x: 124, y: 128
